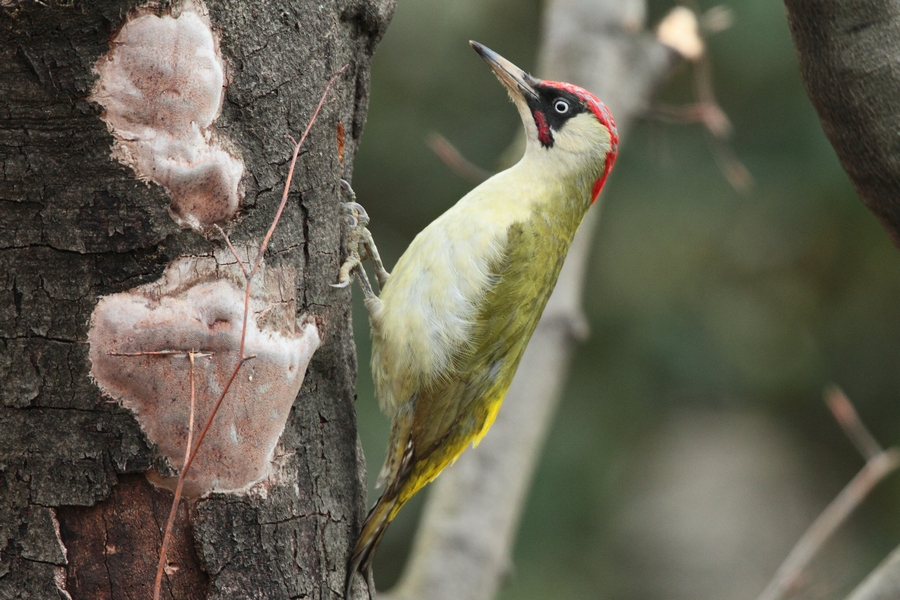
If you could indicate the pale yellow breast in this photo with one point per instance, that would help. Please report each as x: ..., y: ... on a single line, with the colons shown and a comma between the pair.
x: 434, y: 291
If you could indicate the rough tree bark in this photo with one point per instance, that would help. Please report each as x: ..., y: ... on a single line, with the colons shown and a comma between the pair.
x: 848, y: 59
x: 77, y: 517
x: 848, y: 53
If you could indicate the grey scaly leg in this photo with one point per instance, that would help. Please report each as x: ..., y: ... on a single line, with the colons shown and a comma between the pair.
x: 360, y: 246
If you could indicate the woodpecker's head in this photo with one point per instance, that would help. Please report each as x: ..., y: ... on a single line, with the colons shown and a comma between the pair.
x: 563, y: 120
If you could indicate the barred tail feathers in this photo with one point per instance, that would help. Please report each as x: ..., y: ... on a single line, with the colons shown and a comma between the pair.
x: 373, y: 530
x: 396, y: 494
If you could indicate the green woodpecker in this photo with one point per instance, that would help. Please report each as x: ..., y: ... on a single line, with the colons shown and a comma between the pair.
x: 455, y: 315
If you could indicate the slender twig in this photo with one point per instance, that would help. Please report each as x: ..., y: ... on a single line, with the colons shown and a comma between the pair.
x: 233, y: 252
x: 879, y: 464
x: 190, y: 435
x: 454, y: 159
x: 849, y: 420
x: 161, y: 566
x: 719, y: 126
x: 254, y: 270
x: 248, y: 276
x: 876, y: 469
x: 287, y: 185
x: 708, y: 112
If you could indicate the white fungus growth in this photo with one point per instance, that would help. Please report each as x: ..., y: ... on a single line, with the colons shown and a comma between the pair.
x: 139, y: 342
x: 161, y: 85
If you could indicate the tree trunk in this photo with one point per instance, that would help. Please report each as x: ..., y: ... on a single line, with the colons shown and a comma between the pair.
x: 80, y: 221
x: 847, y: 53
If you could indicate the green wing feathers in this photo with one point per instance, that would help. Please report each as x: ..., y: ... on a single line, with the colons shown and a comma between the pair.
x: 456, y: 411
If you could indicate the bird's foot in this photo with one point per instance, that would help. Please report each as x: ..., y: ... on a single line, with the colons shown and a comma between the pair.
x: 360, y: 246
x: 355, y: 226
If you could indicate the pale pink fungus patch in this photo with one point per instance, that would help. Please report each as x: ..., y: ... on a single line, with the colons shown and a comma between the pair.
x: 161, y: 85
x: 198, y: 305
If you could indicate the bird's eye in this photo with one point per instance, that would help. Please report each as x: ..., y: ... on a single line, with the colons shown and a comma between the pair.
x: 561, y: 106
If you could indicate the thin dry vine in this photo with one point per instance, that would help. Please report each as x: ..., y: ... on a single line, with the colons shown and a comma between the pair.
x: 192, y: 447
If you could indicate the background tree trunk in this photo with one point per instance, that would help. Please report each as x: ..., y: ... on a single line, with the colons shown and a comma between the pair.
x: 847, y: 53
x: 77, y: 517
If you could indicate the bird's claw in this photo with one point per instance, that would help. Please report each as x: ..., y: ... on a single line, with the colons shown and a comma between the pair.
x: 352, y: 221
x: 347, y: 190
x: 356, y: 211
x: 359, y: 245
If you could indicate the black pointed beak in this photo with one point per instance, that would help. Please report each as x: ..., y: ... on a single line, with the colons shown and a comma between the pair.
x: 516, y: 80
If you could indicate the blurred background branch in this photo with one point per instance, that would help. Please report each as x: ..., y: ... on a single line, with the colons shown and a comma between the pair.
x: 462, y: 547
x: 879, y: 464
x: 883, y: 583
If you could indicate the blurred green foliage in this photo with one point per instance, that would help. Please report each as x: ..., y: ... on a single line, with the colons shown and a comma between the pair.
x: 696, y: 295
